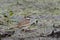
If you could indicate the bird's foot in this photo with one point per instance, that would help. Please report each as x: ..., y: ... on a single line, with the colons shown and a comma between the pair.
x: 26, y: 30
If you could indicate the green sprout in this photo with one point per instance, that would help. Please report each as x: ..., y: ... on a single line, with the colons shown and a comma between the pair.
x: 11, y: 13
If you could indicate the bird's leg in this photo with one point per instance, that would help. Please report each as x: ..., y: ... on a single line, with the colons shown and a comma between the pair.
x: 26, y: 29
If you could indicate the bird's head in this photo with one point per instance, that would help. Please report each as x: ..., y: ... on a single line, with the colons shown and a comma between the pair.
x: 28, y: 17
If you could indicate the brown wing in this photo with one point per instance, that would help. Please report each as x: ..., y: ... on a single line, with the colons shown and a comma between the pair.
x: 23, y: 23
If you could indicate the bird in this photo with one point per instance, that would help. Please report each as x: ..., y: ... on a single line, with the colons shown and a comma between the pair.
x: 24, y: 24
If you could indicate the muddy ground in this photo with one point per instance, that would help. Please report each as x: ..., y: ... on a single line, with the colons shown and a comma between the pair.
x: 46, y: 11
